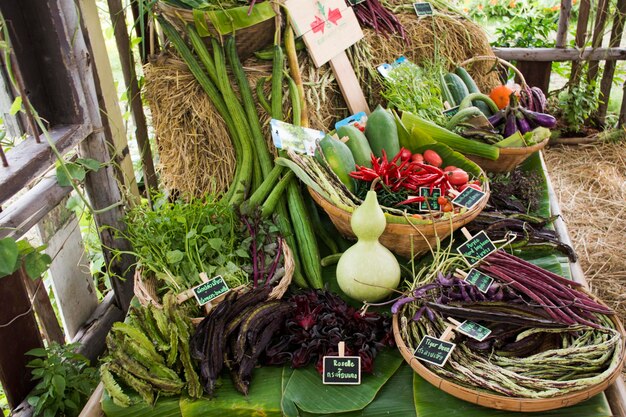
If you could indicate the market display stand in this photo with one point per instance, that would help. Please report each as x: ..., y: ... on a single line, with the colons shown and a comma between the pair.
x: 616, y: 392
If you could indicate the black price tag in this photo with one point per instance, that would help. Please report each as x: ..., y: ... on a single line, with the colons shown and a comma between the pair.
x: 480, y: 280
x: 469, y: 197
x: 476, y: 248
x: 431, y: 199
x: 474, y: 330
x: 434, y: 351
x: 210, y: 290
x: 453, y: 110
x: 342, y: 370
x: 423, y: 9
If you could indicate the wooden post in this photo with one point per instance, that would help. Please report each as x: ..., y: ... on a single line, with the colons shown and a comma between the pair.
x: 103, y: 189
x: 69, y: 272
x: 598, y: 34
x: 118, y: 18
x: 45, y: 313
x: 581, y: 37
x: 19, y: 334
x: 110, y: 111
x: 617, y: 30
x: 564, y: 15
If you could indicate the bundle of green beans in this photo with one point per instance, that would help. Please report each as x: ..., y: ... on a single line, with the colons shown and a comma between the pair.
x: 584, y: 357
x: 270, y: 188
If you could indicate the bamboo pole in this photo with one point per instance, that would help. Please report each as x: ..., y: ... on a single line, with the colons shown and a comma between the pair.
x: 598, y: 34
x: 564, y: 15
x: 118, y: 19
x: 617, y: 30
x: 581, y: 37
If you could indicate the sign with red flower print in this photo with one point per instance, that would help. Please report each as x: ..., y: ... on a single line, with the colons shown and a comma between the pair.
x: 328, y: 27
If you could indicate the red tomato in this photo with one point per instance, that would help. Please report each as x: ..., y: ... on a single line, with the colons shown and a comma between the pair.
x: 432, y: 158
x: 458, y: 177
x: 449, y: 168
x: 405, y: 154
x: 417, y: 157
x: 448, y: 207
x: 471, y: 185
x: 442, y: 201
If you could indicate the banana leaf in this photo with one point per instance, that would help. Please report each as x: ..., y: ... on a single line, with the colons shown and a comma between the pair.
x: 394, y: 399
x: 264, y: 397
x: 164, y: 407
x: 306, y: 391
x: 432, y: 402
x: 533, y: 163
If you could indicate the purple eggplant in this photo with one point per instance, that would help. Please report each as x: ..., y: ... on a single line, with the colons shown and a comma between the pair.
x: 522, y: 123
x: 510, y: 126
x: 539, y: 99
x: 497, y: 118
x: 541, y: 119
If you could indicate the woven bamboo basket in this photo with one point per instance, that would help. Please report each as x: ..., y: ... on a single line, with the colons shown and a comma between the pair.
x: 509, y: 158
x: 146, y: 292
x: 502, y: 402
x: 248, y: 40
x: 405, y: 239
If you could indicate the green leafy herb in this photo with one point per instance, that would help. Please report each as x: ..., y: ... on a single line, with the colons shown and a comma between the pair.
x: 65, y: 380
x: 416, y: 90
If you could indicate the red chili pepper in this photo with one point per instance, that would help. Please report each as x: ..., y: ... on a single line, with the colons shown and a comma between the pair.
x: 419, y: 199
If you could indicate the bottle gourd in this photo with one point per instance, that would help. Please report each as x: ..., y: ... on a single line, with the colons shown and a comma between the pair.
x: 368, y: 271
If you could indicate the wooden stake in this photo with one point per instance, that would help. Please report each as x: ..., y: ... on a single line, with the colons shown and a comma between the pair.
x: 466, y: 233
x: 349, y: 84
x: 342, y: 348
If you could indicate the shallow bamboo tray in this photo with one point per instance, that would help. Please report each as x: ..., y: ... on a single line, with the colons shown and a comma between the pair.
x: 397, y: 237
x: 502, y: 402
x: 248, y: 40
x: 509, y: 158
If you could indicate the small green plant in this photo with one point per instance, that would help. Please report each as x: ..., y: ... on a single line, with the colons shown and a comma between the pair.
x: 65, y: 380
x: 577, y: 103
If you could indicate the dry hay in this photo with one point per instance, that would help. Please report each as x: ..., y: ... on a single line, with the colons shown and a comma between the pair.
x: 590, y: 183
x: 195, y: 152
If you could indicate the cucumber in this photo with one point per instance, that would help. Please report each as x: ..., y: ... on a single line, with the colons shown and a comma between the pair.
x: 473, y: 88
x: 357, y: 142
x: 467, y: 80
x: 457, y: 87
x: 381, y: 133
x: 339, y: 159
x: 481, y: 98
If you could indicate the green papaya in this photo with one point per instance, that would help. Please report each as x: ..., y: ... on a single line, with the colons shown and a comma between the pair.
x: 339, y: 159
x: 357, y: 142
x: 381, y: 133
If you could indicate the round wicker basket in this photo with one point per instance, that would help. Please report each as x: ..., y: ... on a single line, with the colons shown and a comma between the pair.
x: 145, y: 287
x: 509, y: 158
x: 248, y: 40
x: 498, y: 401
x: 405, y: 239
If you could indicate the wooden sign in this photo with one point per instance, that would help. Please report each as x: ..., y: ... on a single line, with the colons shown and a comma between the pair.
x: 473, y: 330
x: 341, y: 370
x: 469, y: 197
x: 423, y: 9
x: 210, y: 290
x: 481, y: 281
x: 328, y: 28
x: 476, y: 248
x: 434, y: 351
x: 431, y: 199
